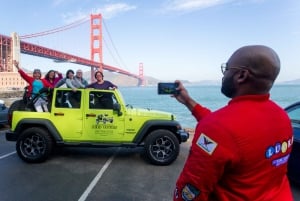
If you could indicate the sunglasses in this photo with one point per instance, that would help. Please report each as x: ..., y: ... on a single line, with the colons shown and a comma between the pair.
x: 225, y: 67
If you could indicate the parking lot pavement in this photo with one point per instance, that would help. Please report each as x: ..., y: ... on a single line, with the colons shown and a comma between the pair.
x: 88, y: 174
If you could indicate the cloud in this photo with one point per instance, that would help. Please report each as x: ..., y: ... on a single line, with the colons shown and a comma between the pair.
x: 71, y: 17
x: 111, y: 10
x: 107, y: 11
x: 191, y: 5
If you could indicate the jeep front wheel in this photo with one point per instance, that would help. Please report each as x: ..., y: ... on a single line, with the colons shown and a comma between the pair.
x: 34, y: 145
x: 162, y: 147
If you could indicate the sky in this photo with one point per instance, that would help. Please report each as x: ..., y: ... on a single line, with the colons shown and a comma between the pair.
x: 174, y: 39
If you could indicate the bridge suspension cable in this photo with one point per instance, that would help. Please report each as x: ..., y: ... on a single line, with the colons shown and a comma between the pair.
x: 118, y: 60
x: 114, y: 47
x: 110, y: 52
x: 52, y: 31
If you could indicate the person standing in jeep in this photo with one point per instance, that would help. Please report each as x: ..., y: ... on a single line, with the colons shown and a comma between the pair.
x: 100, y: 83
x: 53, y: 77
x: 35, y: 82
x: 79, y: 77
x: 35, y: 85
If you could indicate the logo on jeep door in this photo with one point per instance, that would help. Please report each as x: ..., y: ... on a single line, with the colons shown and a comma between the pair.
x: 104, y: 118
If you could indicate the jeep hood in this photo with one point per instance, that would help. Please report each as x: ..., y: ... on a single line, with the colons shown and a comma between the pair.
x: 151, y: 113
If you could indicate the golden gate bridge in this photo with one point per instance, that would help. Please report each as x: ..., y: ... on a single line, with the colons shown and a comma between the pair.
x: 11, y: 46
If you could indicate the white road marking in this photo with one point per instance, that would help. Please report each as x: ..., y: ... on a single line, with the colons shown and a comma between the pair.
x: 97, y: 178
x: 6, y: 155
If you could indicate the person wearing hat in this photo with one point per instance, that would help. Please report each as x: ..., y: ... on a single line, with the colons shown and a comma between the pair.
x: 35, y: 82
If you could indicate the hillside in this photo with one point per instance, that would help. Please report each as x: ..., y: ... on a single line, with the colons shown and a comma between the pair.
x: 122, y: 80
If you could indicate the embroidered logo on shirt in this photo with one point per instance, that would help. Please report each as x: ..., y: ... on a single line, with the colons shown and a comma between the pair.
x: 280, y: 161
x: 207, y: 144
x: 279, y: 148
x: 189, y: 193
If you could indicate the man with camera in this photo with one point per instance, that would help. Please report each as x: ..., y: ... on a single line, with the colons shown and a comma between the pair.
x: 240, y: 151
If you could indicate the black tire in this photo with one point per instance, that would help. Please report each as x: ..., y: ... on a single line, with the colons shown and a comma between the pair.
x: 17, y: 105
x: 161, y: 147
x: 34, y: 145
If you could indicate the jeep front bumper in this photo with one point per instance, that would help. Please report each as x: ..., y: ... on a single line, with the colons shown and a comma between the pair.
x: 184, y: 135
x: 11, y: 136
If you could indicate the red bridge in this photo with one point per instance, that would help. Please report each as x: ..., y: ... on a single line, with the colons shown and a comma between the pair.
x: 36, y: 50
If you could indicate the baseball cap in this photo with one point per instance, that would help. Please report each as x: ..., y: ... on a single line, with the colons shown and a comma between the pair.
x: 37, y: 71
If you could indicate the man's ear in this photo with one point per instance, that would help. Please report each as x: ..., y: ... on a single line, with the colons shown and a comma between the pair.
x: 242, y: 76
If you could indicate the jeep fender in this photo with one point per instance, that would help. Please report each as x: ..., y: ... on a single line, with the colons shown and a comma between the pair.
x: 151, y: 125
x: 45, y: 123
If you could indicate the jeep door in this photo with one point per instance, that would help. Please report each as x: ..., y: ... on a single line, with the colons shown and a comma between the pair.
x: 101, y: 121
x: 66, y: 113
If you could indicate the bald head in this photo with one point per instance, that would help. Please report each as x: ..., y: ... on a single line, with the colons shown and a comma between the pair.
x: 261, y: 60
x: 261, y: 66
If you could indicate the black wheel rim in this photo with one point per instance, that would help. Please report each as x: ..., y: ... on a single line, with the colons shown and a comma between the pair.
x: 33, y: 146
x: 162, y: 148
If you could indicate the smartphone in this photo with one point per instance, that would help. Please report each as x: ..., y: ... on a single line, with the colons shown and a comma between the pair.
x: 167, y: 88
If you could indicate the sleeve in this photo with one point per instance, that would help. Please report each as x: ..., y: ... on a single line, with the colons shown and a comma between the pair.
x: 60, y: 82
x: 46, y: 84
x: 78, y: 83
x: 210, y: 154
x: 26, y: 77
x: 110, y: 84
x: 85, y: 83
x: 69, y: 84
x: 199, y: 112
x: 90, y: 85
x: 59, y: 76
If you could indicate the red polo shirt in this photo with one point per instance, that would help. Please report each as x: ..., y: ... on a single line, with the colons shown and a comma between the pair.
x: 239, y: 152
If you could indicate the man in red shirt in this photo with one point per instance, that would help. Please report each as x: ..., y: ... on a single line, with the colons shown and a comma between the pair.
x: 240, y: 151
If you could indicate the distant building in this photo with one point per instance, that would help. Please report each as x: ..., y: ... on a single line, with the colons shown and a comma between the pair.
x: 11, y: 81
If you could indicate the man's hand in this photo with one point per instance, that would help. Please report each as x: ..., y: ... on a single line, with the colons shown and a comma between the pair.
x: 184, y: 97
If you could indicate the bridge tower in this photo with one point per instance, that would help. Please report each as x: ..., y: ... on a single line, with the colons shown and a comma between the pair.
x: 96, y: 43
x: 141, y: 75
x: 16, y: 50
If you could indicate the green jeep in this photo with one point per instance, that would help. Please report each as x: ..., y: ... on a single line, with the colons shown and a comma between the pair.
x: 92, y: 118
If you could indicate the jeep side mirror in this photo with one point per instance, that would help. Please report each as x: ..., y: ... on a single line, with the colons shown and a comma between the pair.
x: 117, y: 107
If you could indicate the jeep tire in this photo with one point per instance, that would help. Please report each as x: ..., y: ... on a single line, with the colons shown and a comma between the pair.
x: 161, y: 147
x: 17, y: 105
x: 34, y: 145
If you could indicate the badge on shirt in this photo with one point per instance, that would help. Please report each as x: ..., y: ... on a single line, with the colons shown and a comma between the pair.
x: 207, y: 144
x: 189, y: 192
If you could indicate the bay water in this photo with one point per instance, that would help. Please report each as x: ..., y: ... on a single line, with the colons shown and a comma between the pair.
x: 209, y: 96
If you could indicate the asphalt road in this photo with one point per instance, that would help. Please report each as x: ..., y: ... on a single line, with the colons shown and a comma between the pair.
x: 89, y: 174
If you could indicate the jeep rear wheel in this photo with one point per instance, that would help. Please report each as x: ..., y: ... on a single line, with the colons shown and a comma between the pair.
x: 162, y: 147
x: 34, y: 145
